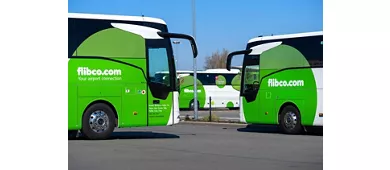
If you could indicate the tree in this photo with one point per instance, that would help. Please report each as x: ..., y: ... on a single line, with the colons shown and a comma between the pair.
x: 216, y: 60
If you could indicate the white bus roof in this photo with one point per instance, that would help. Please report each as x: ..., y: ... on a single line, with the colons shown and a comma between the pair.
x: 184, y: 71
x: 237, y: 67
x: 115, y: 17
x: 221, y: 71
x: 285, y: 36
x: 232, y: 71
x: 179, y: 72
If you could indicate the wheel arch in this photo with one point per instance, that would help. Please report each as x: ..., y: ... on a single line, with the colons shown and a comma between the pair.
x: 104, y: 102
x: 287, y: 103
x: 192, y: 100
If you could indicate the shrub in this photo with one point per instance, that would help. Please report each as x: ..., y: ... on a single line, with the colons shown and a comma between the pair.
x: 214, y: 118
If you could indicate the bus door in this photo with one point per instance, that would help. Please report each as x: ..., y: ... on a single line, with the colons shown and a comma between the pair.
x: 250, y: 87
x: 160, y: 93
x: 162, y: 98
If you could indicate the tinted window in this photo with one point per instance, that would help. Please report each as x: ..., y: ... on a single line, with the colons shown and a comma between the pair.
x: 160, y: 61
x: 229, y: 78
x: 81, y: 29
x: 250, y: 73
x: 206, y: 79
x: 209, y: 78
x: 311, y: 47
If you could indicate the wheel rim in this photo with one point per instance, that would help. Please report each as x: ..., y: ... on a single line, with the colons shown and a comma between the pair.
x: 192, y: 105
x: 290, y: 120
x: 98, y: 121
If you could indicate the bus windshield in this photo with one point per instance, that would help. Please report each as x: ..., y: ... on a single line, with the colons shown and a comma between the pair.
x: 161, y: 68
x: 251, y: 73
x: 158, y: 62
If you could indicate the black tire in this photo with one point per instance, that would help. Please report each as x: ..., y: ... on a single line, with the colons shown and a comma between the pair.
x: 89, y: 132
x: 191, y: 106
x: 287, y: 117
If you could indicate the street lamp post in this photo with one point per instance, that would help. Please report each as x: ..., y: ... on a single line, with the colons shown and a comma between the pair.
x: 194, y: 63
x: 176, y: 53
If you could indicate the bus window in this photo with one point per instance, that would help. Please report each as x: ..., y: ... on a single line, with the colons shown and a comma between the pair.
x: 251, y: 74
x: 158, y: 62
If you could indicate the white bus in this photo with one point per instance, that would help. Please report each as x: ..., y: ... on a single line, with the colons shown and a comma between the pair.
x: 220, y: 84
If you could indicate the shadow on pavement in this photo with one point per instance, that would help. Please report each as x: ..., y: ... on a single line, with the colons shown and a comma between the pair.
x: 136, y: 135
x: 315, y: 131
x: 259, y: 129
x: 312, y: 131
x: 142, y: 135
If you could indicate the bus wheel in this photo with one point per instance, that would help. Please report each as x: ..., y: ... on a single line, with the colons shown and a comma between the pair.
x: 192, y: 105
x: 290, y: 120
x: 98, y: 122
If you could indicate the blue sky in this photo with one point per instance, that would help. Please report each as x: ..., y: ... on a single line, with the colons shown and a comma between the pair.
x: 220, y: 24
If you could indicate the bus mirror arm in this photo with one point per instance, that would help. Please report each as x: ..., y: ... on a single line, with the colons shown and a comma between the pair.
x: 230, y: 56
x: 181, y: 36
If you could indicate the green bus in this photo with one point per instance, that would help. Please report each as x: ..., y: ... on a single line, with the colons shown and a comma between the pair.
x: 112, y: 66
x: 281, y: 81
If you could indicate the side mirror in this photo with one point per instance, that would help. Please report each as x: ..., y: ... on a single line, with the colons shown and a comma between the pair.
x: 182, y: 36
x: 230, y: 56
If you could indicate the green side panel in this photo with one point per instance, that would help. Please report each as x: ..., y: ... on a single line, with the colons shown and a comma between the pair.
x: 113, y: 42
x: 275, y: 89
x: 92, y: 90
x: 134, y: 102
x: 90, y: 80
x: 116, y: 84
x: 159, y: 113
x: 251, y: 110
x: 187, y: 92
x: 220, y: 81
x: 230, y: 104
x: 304, y: 97
x: 236, y: 82
x: 73, y: 115
x: 134, y: 106
x: 280, y: 57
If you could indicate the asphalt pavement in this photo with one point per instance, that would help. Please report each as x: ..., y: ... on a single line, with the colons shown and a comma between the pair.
x: 189, y: 146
